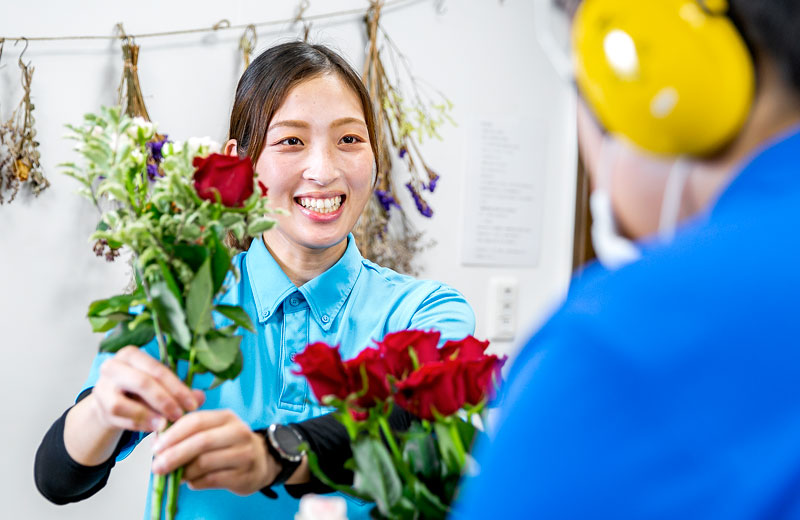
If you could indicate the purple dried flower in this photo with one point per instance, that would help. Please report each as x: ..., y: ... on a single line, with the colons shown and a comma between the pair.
x: 422, y: 206
x: 403, y: 152
x: 432, y: 183
x: 386, y: 200
x: 155, y: 149
x: 152, y: 171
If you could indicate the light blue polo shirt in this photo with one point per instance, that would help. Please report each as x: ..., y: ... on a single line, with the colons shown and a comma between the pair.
x: 351, y: 304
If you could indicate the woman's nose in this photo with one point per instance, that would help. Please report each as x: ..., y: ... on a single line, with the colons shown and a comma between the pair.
x: 322, y: 167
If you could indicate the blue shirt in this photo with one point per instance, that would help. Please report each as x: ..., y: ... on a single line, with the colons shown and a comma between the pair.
x: 671, y: 387
x: 350, y: 304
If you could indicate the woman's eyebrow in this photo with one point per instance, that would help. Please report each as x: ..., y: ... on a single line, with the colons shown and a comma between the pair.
x: 291, y: 123
x: 348, y: 120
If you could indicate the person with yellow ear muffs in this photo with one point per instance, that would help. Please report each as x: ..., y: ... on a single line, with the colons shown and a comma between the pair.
x: 668, y: 383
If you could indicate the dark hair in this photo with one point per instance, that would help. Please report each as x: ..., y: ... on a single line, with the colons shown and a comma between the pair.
x: 266, y: 83
x: 771, y: 27
x: 768, y: 26
x: 269, y: 78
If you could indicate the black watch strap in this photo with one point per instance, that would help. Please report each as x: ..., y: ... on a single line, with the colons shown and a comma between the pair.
x: 282, y: 442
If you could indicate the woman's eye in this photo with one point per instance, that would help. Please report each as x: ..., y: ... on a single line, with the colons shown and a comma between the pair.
x: 291, y: 141
x: 350, y: 139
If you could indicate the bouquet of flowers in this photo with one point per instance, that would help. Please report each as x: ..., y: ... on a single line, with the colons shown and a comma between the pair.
x: 170, y: 204
x: 412, y: 474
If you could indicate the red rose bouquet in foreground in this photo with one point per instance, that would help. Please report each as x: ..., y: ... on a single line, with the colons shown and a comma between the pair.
x: 412, y: 474
x: 170, y: 205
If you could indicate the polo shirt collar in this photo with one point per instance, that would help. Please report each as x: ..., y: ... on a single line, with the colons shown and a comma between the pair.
x: 325, y: 294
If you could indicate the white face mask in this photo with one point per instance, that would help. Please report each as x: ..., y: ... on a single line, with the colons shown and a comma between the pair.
x: 614, y: 250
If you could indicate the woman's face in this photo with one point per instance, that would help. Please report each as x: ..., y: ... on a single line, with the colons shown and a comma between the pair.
x: 317, y: 163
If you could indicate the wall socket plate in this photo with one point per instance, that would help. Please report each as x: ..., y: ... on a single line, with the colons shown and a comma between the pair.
x: 502, y: 310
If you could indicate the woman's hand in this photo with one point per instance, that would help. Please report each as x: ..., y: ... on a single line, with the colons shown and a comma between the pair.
x: 136, y: 392
x: 218, y: 451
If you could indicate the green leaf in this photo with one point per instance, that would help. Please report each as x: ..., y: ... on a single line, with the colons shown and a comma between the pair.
x: 237, y: 315
x: 259, y: 225
x: 427, y: 504
x: 166, y: 272
x: 109, y: 321
x: 194, y: 255
x: 220, y: 262
x: 198, y: 301
x: 467, y: 432
x: 449, y: 448
x: 419, y: 452
x: 122, y: 336
x: 118, y: 303
x: 170, y: 314
x: 232, y: 372
x: 377, y: 475
x: 217, y: 354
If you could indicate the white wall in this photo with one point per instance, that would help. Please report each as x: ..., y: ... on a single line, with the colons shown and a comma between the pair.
x: 481, y: 53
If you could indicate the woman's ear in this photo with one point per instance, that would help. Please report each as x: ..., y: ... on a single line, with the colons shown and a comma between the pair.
x: 230, y: 148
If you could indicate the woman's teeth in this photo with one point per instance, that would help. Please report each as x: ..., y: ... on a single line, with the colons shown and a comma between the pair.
x: 321, y: 205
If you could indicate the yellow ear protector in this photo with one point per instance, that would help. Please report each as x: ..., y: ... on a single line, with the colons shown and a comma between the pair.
x: 673, y: 76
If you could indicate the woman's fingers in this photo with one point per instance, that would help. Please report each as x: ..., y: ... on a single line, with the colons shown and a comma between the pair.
x: 166, y: 378
x: 234, y: 457
x: 127, y: 414
x: 198, y: 433
x: 126, y: 378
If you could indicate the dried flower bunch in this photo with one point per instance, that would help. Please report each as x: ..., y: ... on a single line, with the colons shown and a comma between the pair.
x: 19, y: 149
x: 408, y: 112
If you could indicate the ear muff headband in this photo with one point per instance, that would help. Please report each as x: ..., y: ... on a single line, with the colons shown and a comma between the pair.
x: 673, y: 76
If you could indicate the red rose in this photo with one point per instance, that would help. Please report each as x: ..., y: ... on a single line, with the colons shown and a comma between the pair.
x: 438, y: 385
x: 263, y: 189
x: 394, y: 349
x: 368, y: 369
x: 465, y: 349
x: 227, y: 175
x: 481, y: 377
x: 322, y: 366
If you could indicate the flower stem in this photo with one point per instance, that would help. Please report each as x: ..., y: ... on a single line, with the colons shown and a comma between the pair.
x: 387, y: 432
x: 173, y: 486
x: 158, y: 497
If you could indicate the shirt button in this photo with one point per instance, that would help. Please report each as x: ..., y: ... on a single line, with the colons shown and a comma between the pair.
x: 293, y: 357
x: 325, y: 318
x: 266, y: 314
x: 294, y: 301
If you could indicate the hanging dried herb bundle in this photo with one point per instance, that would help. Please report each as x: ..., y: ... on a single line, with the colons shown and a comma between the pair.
x: 19, y: 150
x: 130, y: 92
x: 407, y: 114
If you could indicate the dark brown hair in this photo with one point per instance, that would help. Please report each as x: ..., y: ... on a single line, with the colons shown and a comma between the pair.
x: 269, y: 78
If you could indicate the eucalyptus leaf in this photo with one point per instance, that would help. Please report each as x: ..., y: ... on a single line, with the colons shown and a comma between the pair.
x: 237, y: 315
x: 170, y: 314
x: 378, y: 476
x: 122, y: 336
x: 198, y: 301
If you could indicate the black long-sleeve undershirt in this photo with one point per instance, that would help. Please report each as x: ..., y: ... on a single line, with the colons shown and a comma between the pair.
x: 62, y: 480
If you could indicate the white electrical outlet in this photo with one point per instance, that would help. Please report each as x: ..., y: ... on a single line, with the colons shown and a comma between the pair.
x: 502, y: 313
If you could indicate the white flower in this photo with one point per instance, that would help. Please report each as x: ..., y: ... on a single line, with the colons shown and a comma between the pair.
x: 97, y: 131
x: 316, y: 507
x: 137, y: 156
x: 202, y: 146
x: 146, y: 128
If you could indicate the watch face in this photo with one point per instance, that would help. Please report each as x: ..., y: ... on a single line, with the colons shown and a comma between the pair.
x: 287, y: 441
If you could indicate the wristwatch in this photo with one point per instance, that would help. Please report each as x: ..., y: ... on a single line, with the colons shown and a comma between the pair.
x: 283, y: 443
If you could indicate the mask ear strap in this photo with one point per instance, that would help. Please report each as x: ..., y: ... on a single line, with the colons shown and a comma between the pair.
x: 673, y: 196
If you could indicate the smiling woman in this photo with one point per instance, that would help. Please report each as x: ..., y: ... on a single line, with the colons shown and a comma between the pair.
x: 303, y: 117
